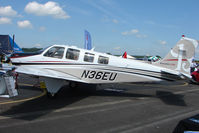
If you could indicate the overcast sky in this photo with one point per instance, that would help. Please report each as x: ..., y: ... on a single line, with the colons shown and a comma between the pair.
x: 140, y: 27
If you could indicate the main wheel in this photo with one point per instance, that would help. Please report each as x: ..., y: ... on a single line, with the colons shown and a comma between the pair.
x: 194, y: 78
x: 73, y: 84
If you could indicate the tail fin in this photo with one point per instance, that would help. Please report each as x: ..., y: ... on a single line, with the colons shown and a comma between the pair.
x: 180, y: 57
x: 124, y: 55
x: 16, y: 48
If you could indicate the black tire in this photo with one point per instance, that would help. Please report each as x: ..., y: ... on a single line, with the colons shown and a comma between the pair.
x: 194, y: 78
x: 73, y: 85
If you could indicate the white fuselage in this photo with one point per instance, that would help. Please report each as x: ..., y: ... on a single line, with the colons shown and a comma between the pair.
x: 88, y: 67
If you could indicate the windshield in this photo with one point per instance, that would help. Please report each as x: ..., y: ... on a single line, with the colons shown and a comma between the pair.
x: 42, y: 50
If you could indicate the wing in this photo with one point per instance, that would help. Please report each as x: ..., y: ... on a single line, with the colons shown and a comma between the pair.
x: 46, y: 72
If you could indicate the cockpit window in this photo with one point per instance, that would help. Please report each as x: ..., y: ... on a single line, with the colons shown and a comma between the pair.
x: 43, y: 49
x: 88, y: 57
x: 55, y: 52
x: 72, y: 54
x: 103, y: 60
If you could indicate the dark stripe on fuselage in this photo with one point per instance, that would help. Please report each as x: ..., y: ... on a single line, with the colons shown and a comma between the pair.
x: 163, y: 78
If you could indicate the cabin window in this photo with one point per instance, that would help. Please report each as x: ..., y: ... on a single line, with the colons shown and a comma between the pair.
x: 55, y: 52
x: 103, y: 60
x: 72, y: 54
x: 88, y: 57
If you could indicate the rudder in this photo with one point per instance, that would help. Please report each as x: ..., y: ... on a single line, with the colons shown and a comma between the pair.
x: 180, y: 57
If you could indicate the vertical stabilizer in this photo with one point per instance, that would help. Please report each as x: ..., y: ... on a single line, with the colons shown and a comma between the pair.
x: 180, y: 57
x: 124, y: 55
x: 15, y: 47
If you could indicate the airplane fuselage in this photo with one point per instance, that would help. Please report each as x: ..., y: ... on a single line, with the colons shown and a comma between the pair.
x: 87, y: 66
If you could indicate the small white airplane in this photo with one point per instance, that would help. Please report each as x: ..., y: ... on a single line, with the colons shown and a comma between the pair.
x: 126, y: 56
x: 60, y: 63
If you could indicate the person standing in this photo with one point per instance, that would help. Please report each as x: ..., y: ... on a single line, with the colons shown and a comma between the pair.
x: 193, y: 66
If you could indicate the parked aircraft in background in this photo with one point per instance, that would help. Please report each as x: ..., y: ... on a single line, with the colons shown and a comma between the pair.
x: 126, y: 56
x: 8, y: 45
x: 151, y: 58
x: 59, y: 64
x: 154, y: 58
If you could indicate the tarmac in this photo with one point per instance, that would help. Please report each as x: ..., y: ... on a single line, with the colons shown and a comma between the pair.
x: 108, y: 108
